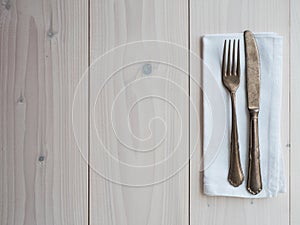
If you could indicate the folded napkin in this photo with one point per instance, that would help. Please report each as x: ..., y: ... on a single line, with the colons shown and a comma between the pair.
x: 216, y: 155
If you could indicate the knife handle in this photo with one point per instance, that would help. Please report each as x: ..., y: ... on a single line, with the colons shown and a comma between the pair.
x: 254, y: 184
x: 235, y: 174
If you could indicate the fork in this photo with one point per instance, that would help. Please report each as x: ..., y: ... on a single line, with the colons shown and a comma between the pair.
x: 231, y: 80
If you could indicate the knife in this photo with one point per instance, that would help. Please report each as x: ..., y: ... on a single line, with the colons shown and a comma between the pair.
x: 254, y: 184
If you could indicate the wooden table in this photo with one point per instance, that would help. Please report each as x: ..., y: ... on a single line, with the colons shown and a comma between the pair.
x: 96, y: 122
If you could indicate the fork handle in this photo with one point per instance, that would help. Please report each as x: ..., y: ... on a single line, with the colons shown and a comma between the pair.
x: 254, y: 185
x: 235, y: 174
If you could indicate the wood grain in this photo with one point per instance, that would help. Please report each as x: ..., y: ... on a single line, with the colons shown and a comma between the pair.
x: 232, y: 16
x: 122, y: 191
x: 295, y: 105
x: 43, y: 53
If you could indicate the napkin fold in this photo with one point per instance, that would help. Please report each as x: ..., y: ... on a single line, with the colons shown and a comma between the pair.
x: 216, y: 155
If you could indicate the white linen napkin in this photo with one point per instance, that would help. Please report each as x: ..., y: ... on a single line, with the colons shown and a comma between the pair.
x: 216, y: 168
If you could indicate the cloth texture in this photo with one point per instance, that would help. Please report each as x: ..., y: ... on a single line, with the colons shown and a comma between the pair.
x: 217, y: 117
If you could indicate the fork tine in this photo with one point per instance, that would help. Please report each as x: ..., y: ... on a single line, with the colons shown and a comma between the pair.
x: 238, y: 70
x: 228, y: 59
x: 233, y: 59
x: 224, y: 60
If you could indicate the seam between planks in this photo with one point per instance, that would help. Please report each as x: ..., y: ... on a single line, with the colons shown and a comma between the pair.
x: 189, y: 116
x: 89, y: 137
x: 290, y: 115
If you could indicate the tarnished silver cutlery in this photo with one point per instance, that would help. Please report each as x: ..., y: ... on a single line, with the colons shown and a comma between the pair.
x: 254, y: 184
x: 231, y: 80
x: 231, y: 73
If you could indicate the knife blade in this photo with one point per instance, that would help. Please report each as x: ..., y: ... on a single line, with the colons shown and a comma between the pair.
x: 254, y: 183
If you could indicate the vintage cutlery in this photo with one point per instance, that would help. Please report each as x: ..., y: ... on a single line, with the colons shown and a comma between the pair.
x: 254, y: 184
x: 231, y: 80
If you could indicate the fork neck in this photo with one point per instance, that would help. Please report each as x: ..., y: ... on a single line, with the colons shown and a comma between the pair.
x: 232, y: 94
x: 233, y: 104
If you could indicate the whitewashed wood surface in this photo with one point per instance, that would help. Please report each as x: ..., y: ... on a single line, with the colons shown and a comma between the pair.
x: 122, y: 191
x: 294, y: 111
x: 235, y: 16
x: 78, y: 145
x: 44, y: 51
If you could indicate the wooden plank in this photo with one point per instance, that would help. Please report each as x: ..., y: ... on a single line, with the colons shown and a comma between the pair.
x: 43, y: 54
x: 132, y: 180
x: 228, y: 17
x: 295, y: 106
